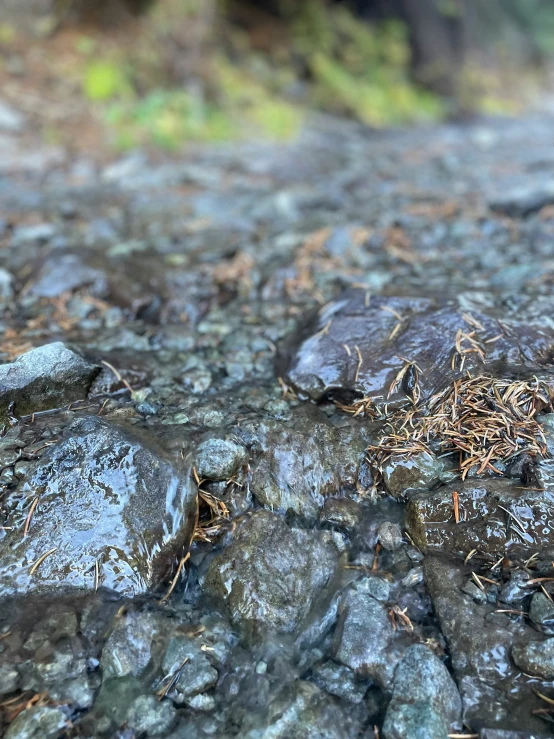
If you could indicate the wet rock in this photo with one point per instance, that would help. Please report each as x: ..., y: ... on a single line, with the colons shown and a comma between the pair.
x: 112, y: 510
x: 389, y: 535
x: 376, y: 586
x: 425, y: 331
x: 132, y: 644
x: 536, y: 658
x: 524, y: 200
x: 6, y: 285
x: 269, y: 574
x: 495, y: 514
x: 364, y: 638
x: 62, y: 273
x: 201, y: 702
x: 11, y: 120
x: 196, y: 674
x: 515, y: 590
x: 46, y: 377
x: 39, y: 722
x: 341, y: 512
x: 341, y: 681
x: 402, y: 476
x: 9, y: 679
x: 541, y: 612
x: 219, y: 459
x: 150, y: 716
x: 425, y: 700
x: 303, y: 460
x: 480, y: 644
x: 307, y: 714
x: 500, y: 734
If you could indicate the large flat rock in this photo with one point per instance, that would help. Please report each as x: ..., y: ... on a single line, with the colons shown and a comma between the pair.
x: 495, y: 516
x: 358, y: 344
x: 105, y: 506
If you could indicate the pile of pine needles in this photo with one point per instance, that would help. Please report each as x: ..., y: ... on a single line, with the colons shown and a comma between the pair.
x: 482, y: 420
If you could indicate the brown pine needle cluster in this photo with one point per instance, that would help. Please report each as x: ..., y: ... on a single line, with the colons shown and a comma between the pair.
x: 482, y: 420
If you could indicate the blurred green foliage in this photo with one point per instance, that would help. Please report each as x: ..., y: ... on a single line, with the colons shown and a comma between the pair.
x: 192, y: 74
x: 189, y: 77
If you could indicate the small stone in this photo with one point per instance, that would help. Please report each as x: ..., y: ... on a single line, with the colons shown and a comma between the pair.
x: 376, y: 586
x: 219, y: 459
x: 425, y: 700
x: 196, y: 673
x: 389, y: 535
x: 363, y: 638
x: 39, y: 722
x: 341, y: 512
x: 302, y: 712
x: 403, y: 476
x: 515, y: 589
x: 413, y: 578
x: 541, y: 610
x: 536, y: 658
x: 201, y: 702
x: 341, y: 681
x: 270, y: 573
x: 11, y: 120
x: 46, y: 377
x: 9, y: 679
x: 150, y: 716
x: 128, y: 649
x: 471, y: 589
x: 6, y: 285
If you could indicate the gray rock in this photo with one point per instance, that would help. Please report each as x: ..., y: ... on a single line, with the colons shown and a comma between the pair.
x: 343, y: 513
x: 389, y: 535
x: 130, y: 646
x: 201, y: 702
x: 150, y: 716
x: 11, y: 120
x: 341, y: 681
x: 109, y: 502
x: 219, y: 459
x: 374, y: 585
x: 515, y: 590
x: 196, y: 675
x: 541, y: 611
x: 425, y: 332
x: 6, y: 285
x: 47, y: 377
x: 39, y: 722
x: 303, y: 460
x: 9, y: 679
x: 536, y: 658
x: 425, y: 700
x: 77, y: 692
x: 62, y: 273
x: 479, y: 643
x: 307, y: 714
x: 403, y: 476
x: 483, y: 505
x: 364, y: 638
x: 523, y: 200
x: 270, y: 573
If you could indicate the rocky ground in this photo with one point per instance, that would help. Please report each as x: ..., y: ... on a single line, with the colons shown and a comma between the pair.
x: 241, y: 496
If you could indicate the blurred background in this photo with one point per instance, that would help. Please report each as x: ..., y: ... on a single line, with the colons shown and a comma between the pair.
x: 116, y: 74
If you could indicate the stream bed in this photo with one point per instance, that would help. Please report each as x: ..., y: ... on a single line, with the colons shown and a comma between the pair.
x: 240, y: 493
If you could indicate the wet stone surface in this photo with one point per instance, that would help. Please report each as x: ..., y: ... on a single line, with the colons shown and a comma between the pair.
x: 195, y: 540
x: 117, y: 527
